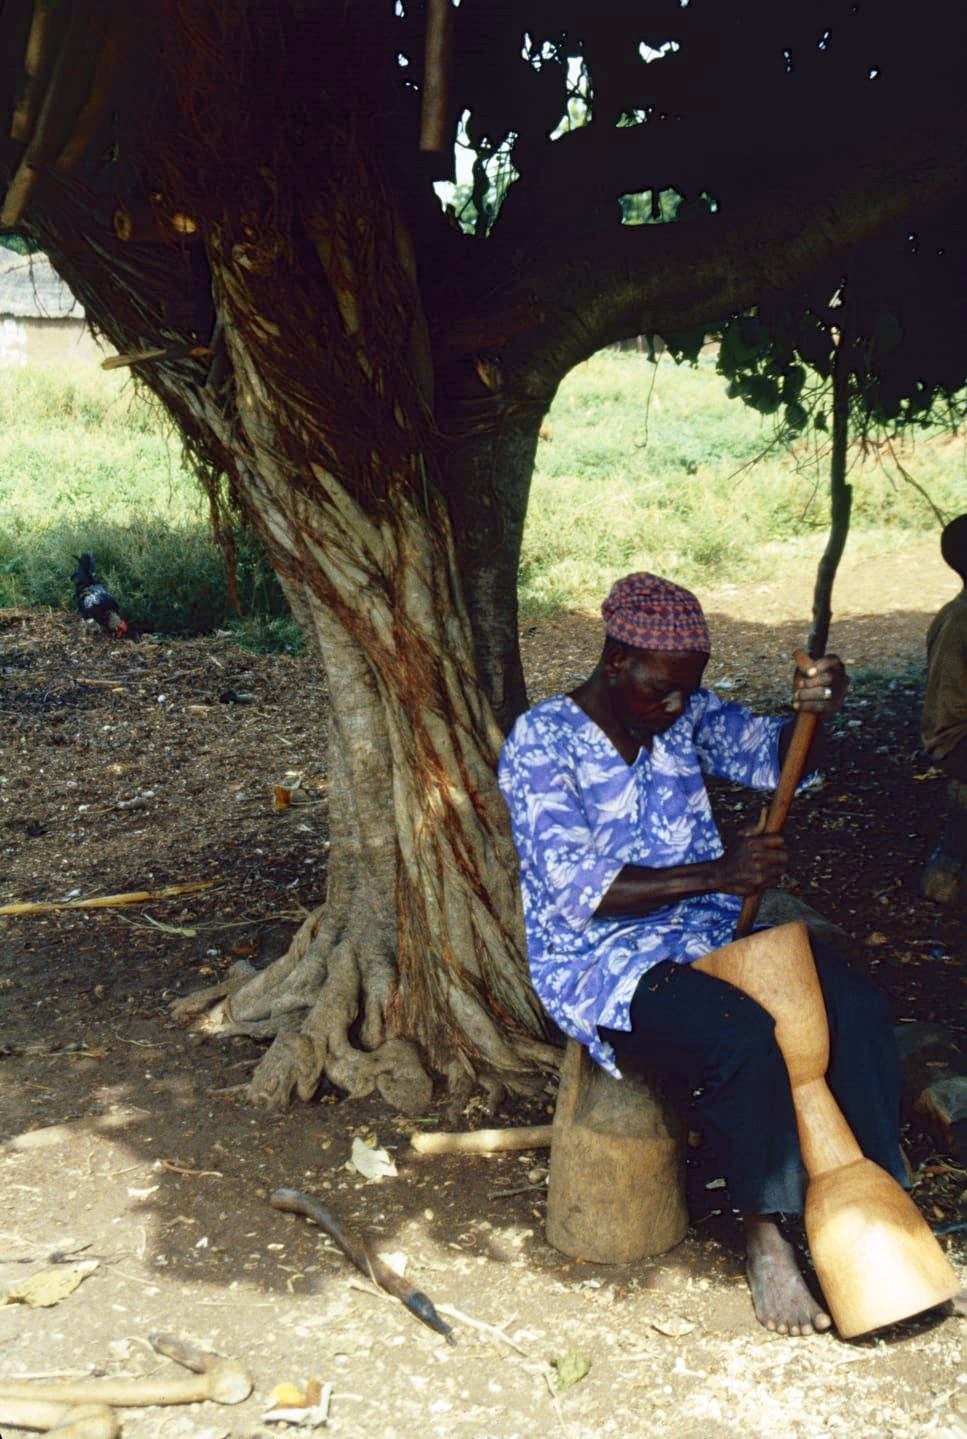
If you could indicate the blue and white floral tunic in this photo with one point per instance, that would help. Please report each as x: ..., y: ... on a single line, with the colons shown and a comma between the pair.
x: 580, y: 812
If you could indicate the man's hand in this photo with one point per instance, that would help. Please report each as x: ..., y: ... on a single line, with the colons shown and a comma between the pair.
x: 753, y: 862
x: 819, y: 686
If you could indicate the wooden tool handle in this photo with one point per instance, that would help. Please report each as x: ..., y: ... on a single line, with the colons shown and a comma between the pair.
x: 792, y: 771
x: 293, y: 1201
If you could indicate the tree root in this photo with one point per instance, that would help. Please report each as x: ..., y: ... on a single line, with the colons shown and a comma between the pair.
x: 327, y: 987
x: 193, y: 1007
x: 307, y: 1001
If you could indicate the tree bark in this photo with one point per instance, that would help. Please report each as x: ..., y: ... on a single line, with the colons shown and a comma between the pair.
x: 415, y: 964
x: 486, y: 481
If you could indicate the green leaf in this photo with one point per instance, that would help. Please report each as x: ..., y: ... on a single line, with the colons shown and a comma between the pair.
x: 815, y: 346
x: 762, y: 394
x: 754, y: 333
x: 792, y: 382
x: 734, y: 353
x: 686, y: 344
x: 571, y: 1369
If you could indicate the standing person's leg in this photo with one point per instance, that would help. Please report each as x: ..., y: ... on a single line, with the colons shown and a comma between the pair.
x: 944, y: 877
x: 705, y: 1035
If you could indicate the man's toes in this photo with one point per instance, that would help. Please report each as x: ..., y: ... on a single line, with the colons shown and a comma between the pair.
x: 821, y: 1321
x: 795, y: 1329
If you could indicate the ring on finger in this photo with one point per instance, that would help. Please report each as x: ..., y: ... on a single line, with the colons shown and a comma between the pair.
x: 827, y: 693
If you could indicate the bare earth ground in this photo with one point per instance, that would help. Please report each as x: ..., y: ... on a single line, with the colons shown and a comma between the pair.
x: 132, y: 766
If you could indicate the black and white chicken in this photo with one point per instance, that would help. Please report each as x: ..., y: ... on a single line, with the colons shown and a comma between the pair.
x: 94, y: 601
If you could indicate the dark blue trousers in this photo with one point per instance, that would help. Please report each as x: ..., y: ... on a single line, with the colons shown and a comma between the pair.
x: 713, y: 1043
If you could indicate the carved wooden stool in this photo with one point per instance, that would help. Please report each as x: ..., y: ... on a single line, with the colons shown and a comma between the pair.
x: 616, y: 1188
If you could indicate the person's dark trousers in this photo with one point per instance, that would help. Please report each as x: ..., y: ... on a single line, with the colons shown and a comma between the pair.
x: 710, y: 1040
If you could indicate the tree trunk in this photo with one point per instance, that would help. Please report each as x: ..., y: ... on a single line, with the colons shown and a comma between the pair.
x: 414, y: 966
x: 415, y: 963
x: 319, y: 405
x: 420, y: 932
x: 486, y: 481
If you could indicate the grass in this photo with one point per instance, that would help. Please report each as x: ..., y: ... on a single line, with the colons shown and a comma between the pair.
x: 647, y: 468
x: 654, y: 468
x: 87, y: 463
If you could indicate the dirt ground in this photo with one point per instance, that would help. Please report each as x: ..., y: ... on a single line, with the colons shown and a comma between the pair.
x: 134, y: 766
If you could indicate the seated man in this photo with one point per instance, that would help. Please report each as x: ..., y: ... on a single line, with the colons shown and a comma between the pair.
x: 625, y: 881
x: 943, y: 725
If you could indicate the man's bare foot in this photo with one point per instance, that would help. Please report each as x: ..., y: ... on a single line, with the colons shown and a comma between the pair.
x: 782, y: 1301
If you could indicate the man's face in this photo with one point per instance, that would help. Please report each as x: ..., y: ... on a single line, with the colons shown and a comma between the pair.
x: 648, y: 691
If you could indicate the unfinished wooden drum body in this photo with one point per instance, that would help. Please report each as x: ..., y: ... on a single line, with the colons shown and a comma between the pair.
x: 874, y: 1254
x: 616, y: 1190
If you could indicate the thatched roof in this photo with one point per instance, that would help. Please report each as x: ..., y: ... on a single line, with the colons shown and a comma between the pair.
x: 30, y: 289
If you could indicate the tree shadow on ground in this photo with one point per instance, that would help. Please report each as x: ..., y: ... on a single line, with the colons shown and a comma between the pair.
x: 174, y: 1199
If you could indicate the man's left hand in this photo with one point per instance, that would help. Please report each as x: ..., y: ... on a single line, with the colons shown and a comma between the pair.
x: 819, y: 686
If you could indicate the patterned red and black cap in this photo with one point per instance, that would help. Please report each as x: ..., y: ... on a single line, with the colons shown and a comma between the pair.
x: 653, y: 614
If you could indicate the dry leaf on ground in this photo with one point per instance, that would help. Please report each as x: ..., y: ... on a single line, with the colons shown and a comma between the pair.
x: 48, y: 1286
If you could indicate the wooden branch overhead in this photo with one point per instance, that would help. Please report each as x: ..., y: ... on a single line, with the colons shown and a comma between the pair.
x: 190, y: 350
x: 436, y: 136
x: 106, y: 66
x: 70, y: 74
x: 484, y: 333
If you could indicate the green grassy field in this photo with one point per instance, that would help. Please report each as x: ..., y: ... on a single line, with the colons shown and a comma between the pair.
x: 647, y: 468
x: 87, y: 463
x: 652, y: 467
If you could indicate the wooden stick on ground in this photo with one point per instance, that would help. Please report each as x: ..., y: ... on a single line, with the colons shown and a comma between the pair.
x: 108, y: 901
x: 484, y: 1141
x: 495, y: 1330
x: 225, y: 1382
x: 86, y: 1421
